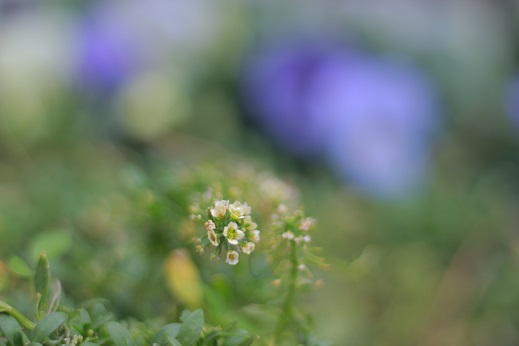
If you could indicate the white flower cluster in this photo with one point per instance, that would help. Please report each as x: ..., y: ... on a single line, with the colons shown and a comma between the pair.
x: 294, y: 230
x: 302, y: 225
x: 230, y: 227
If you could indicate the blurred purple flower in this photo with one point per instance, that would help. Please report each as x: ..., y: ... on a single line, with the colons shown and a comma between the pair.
x: 118, y: 39
x: 384, y: 118
x: 280, y: 91
x: 511, y: 100
x: 107, y: 55
x: 373, y: 119
x: 108, y: 49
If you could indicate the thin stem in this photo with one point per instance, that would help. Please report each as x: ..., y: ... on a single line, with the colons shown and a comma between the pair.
x: 288, y: 305
x: 4, y: 307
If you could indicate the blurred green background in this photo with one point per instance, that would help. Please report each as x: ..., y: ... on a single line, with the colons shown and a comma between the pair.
x: 397, y: 120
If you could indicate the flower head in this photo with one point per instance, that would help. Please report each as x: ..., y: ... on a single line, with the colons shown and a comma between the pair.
x: 248, y: 247
x: 249, y: 224
x: 288, y: 235
x: 213, y: 238
x: 307, y: 224
x: 232, y: 233
x: 219, y: 209
x: 232, y: 257
x: 209, y: 225
x: 238, y: 210
x: 255, y: 236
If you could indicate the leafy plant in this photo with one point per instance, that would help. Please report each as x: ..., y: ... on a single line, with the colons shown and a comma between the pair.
x: 92, y: 324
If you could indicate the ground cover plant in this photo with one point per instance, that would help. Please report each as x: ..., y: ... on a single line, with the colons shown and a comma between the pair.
x: 270, y: 269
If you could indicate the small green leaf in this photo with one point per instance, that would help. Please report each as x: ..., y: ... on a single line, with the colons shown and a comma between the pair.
x: 248, y: 341
x: 168, y: 331
x: 19, y: 267
x: 35, y: 344
x: 212, y: 335
x: 80, y: 322
x: 237, y: 340
x: 174, y: 342
x: 99, y: 315
x: 41, y: 282
x: 192, y: 327
x: 9, y: 325
x: 55, y: 297
x: 47, y: 325
x: 18, y: 338
x: 119, y: 334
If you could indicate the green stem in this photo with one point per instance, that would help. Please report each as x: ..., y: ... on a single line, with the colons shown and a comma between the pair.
x: 4, y: 307
x: 288, y: 305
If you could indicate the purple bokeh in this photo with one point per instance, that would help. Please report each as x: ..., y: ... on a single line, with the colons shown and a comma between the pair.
x: 281, y: 94
x: 108, y: 55
x: 372, y: 119
x: 384, y: 119
x: 118, y: 39
x: 511, y: 100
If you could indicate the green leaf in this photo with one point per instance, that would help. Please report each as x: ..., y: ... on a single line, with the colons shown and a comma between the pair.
x: 88, y: 343
x: 248, y: 341
x: 119, y: 334
x: 161, y: 338
x: 174, y: 342
x: 19, y: 267
x: 41, y: 282
x: 99, y: 315
x: 80, y: 322
x: 192, y: 327
x: 54, y: 242
x: 212, y: 335
x: 9, y: 325
x: 18, y: 338
x: 237, y: 340
x: 55, y: 297
x: 35, y: 344
x: 48, y: 325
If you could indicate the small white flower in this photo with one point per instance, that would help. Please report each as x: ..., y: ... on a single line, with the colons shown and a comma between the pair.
x: 209, y: 225
x: 249, y: 224
x: 307, y: 223
x: 288, y: 235
x: 213, y: 238
x: 307, y: 239
x: 248, y: 247
x: 219, y: 209
x: 232, y: 233
x: 239, y: 210
x: 255, y: 237
x: 301, y: 267
x: 232, y: 257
